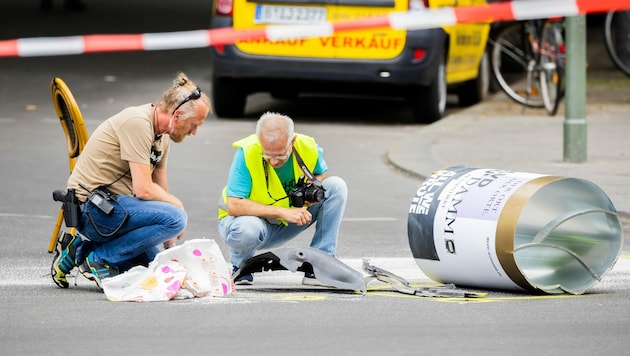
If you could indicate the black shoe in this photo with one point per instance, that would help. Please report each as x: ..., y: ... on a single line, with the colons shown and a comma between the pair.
x: 95, y: 271
x: 246, y: 279
x: 65, y: 258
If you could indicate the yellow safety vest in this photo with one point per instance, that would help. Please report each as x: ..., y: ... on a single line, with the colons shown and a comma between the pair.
x: 260, y: 193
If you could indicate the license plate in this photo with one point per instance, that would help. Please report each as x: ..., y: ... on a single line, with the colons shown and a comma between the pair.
x: 271, y: 14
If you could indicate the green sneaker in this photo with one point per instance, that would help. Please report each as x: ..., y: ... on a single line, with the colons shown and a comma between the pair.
x: 95, y: 271
x: 65, y: 258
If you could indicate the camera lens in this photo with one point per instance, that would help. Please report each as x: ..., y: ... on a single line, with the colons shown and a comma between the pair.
x: 314, y: 194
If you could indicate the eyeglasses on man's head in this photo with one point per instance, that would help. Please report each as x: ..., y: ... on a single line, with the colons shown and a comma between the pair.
x: 196, y: 94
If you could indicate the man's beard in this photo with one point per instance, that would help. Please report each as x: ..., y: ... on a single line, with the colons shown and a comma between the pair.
x: 177, y: 138
x: 174, y: 132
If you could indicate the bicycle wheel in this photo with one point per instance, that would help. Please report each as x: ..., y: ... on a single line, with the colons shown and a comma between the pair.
x: 617, y: 39
x: 552, y: 57
x: 514, y: 65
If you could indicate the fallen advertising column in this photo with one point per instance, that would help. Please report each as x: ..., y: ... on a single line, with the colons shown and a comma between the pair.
x: 499, y: 229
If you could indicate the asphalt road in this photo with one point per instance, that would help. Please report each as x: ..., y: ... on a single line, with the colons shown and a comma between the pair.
x: 277, y: 315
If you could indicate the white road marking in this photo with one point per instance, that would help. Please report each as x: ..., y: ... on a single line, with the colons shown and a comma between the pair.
x: 11, y: 215
x: 289, y: 284
x: 379, y: 219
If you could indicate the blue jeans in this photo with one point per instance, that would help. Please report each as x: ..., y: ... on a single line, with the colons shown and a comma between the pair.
x: 245, y: 235
x: 134, y: 240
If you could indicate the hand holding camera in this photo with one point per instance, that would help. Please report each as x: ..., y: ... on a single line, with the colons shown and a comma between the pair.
x: 306, y: 192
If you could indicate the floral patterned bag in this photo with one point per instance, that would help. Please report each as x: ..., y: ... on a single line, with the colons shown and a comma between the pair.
x: 196, y: 268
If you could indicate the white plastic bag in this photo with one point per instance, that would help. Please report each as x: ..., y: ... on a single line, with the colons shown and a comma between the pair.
x: 194, y: 269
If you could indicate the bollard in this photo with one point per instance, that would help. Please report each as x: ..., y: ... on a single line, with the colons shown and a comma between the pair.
x: 499, y: 229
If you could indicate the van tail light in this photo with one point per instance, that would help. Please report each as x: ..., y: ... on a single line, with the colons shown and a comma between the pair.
x: 220, y: 48
x: 418, y: 55
x: 224, y: 7
x: 418, y: 4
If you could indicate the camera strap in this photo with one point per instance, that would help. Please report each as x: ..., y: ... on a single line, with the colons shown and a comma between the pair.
x: 305, y: 169
x: 316, y: 182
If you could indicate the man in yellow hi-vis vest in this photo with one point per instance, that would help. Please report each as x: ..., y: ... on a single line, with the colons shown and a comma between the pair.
x: 277, y: 187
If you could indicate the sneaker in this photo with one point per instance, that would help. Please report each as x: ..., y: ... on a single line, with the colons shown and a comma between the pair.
x: 310, y: 280
x: 65, y: 258
x: 244, y: 280
x: 95, y: 271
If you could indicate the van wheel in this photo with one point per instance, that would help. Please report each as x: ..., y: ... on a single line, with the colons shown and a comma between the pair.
x: 476, y: 90
x: 429, y: 103
x: 227, y: 98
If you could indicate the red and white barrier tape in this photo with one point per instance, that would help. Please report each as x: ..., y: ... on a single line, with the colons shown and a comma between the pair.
x: 410, y: 20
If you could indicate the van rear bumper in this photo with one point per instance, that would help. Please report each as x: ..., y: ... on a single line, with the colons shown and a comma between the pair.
x: 269, y: 71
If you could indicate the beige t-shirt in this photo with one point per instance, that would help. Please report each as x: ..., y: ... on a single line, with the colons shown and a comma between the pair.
x: 125, y: 137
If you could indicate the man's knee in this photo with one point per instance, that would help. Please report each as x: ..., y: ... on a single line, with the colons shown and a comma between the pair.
x: 245, y: 231
x: 181, y: 221
x: 337, y: 186
x: 175, y: 219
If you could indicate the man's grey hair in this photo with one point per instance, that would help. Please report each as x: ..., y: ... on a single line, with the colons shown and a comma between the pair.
x: 274, y: 126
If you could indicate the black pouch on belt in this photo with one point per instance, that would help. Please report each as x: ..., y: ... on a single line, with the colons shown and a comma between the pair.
x: 71, y: 209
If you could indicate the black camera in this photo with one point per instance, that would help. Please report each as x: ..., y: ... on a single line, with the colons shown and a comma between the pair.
x: 306, y: 192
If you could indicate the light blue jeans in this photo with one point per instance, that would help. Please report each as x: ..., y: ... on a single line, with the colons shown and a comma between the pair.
x: 136, y: 242
x: 245, y: 235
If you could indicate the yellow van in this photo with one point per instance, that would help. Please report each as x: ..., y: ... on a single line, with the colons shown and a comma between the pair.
x: 419, y: 65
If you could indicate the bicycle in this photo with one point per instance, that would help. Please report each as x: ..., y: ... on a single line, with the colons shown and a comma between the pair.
x: 528, y: 62
x: 617, y: 38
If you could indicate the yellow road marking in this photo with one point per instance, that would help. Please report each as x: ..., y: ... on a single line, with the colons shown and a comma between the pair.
x: 303, y: 297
